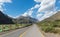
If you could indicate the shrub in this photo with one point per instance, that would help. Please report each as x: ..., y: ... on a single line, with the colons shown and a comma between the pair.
x: 47, y: 28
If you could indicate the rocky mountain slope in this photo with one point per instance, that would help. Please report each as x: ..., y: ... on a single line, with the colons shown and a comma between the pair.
x: 5, y: 19
x: 26, y: 20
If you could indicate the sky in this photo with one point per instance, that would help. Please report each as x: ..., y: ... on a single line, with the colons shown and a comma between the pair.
x: 39, y: 9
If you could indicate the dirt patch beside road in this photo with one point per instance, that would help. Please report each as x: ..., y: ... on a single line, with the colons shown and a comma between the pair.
x: 51, y: 35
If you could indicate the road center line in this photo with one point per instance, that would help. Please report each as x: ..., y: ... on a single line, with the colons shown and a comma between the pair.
x: 24, y: 32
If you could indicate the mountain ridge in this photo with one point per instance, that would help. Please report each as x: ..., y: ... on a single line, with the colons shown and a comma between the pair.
x: 5, y: 19
x: 54, y: 17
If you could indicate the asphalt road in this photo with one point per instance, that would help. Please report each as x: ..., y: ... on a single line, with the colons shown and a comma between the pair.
x: 15, y: 33
x: 31, y: 31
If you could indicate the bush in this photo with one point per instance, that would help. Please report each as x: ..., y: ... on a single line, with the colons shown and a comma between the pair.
x: 56, y: 24
x: 1, y: 28
x: 5, y: 27
x: 47, y: 28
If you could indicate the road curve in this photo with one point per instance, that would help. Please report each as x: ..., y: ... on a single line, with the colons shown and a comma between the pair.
x: 32, y: 32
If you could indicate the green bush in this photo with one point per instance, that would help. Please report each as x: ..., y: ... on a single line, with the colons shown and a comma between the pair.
x: 56, y: 24
x: 1, y: 28
x: 6, y: 27
x: 47, y: 28
x: 13, y: 27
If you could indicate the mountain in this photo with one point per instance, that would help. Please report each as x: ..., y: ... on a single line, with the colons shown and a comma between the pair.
x: 54, y: 17
x: 26, y: 20
x: 4, y: 19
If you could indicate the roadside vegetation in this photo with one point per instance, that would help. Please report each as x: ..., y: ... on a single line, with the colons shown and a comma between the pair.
x: 8, y: 23
x: 50, y: 26
x: 8, y: 27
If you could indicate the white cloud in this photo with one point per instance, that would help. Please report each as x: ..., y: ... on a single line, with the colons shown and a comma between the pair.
x: 39, y: 15
x: 25, y: 14
x: 5, y: 1
x: 36, y: 6
x: 28, y: 13
x: 45, y: 6
x: 46, y: 15
x: 38, y: 0
x: 2, y: 3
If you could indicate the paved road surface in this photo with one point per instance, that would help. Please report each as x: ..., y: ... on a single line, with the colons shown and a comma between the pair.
x: 31, y: 31
x: 15, y: 33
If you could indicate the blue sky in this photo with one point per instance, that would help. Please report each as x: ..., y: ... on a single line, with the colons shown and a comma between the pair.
x: 58, y: 4
x: 18, y: 7
x: 39, y: 9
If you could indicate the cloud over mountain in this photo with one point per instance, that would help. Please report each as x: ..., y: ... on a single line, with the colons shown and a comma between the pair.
x: 43, y: 6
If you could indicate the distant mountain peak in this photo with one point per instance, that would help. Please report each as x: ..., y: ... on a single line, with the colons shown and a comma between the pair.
x: 26, y: 19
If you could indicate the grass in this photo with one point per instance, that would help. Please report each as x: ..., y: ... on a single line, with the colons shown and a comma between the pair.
x: 0, y: 28
x: 7, y: 27
x: 50, y: 26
